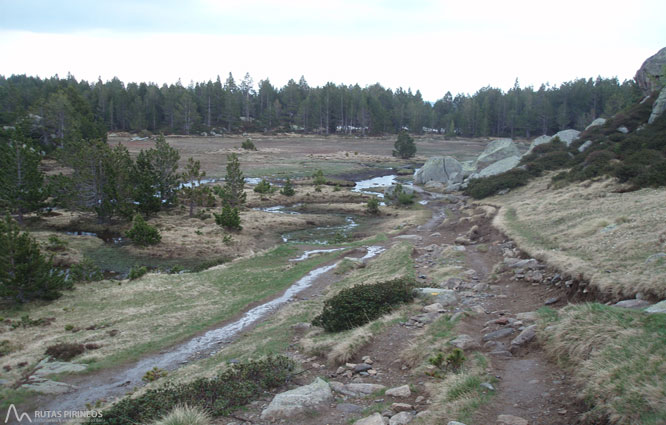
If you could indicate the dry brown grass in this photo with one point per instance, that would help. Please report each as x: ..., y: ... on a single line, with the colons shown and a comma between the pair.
x: 617, y: 356
x: 590, y: 231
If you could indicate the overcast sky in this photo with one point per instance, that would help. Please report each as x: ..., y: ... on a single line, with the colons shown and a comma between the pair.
x: 433, y: 46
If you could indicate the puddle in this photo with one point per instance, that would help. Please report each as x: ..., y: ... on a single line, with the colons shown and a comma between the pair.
x: 308, y: 254
x: 362, y: 186
x: 116, y: 385
x: 280, y: 209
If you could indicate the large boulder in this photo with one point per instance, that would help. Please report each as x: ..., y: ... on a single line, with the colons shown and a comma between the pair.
x: 496, y: 150
x: 298, y: 400
x: 658, y: 107
x: 498, y: 167
x: 445, y: 169
x: 567, y: 136
x: 596, y: 123
x: 538, y: 141
x: 650, y: 72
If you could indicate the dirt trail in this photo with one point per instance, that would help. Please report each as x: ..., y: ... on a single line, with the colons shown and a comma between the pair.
x: 528, y: 385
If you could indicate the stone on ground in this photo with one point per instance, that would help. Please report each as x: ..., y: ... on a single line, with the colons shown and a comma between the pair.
x: 496, y: 150
x: 660, y: 307
x: 498, y: 167
x: 465, y: 342
x: 375, y: 419
x: 526, y: 336
x: 596, y: 123
x: 298, y: 400
x: 440, y: 169
x: 355, y: 389
x: 511, y: 420
x: 401, y: 418
x: 633, y: 303
x: 401, y: 391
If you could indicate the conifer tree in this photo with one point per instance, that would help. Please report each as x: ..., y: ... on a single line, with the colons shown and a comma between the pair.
x: 404, y: 146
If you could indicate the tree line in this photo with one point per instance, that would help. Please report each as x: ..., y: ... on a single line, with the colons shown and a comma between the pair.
x: 65, y: 108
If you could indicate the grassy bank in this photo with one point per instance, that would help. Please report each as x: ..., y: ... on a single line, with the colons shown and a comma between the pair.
x: 591, y: 230
x: 617, y: 356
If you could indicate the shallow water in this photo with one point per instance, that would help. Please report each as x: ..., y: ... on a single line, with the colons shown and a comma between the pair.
x: 105, y: 386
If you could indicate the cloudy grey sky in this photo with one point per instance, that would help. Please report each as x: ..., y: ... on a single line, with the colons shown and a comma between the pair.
x: 434, y: 46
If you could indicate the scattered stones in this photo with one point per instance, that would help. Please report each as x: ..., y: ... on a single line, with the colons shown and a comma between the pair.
x: 500, y: 333
x: 433, y: 308
x: 374, y: 419
x: 298, y: 400
x: 401, y: 418
x: 511, y: 420
x: 355, y: 389
x: 526, y: 336
x: 402, y: 391
x: 465, y: 342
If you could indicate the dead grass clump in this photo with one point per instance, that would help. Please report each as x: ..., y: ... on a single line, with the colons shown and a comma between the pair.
x: 616, y: 355
x: 65, y: 351
x: 185, y: 415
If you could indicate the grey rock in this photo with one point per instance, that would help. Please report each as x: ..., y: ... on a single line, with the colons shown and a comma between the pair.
x: 355, y: 389
x: 488, y: 386
x: 498, y: 167
x: 401, y: 407
x: 526, y: 336
x: 622, y: 129
x: 536, y: 142
x: 413, y: 238
x: 433, y: 308
x: 349, y: 408
x: 362, y: 367
x: 551, y: 300
x: 496, y: 150
x: 660, y: 307
x: 298, y: 400
x: 500, y: 333
x: 45, y: 368
x: 401, y: 418
x: 440, y: 169
x: 633, y: 303
x: 501, y: 353
x: 445, y: 297
x: 465, y: 342
x: 567, y: 136
x: 374, y: 419
x: 434, y: 186
x: 529, y: 316
x: 46, y: 386
x: 455, y: 423
x: 390, y: 191
x: 658, y: 107
x: 649, y: 73
x: 596, y: 123
x: 401, y: 391
x: 585, y: 145
x: 511, y: 420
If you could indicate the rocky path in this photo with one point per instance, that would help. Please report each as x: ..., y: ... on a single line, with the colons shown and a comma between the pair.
x: 380, y: 387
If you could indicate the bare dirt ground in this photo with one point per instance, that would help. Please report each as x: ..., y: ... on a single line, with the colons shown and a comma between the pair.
x: 527, y: 384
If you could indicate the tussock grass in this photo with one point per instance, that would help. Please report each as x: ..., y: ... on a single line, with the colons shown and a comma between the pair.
x: 590, y: 231
x: 185, y: 415
x: 617, y: 356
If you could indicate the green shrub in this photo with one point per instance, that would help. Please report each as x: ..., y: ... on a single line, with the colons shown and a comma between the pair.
x: 361, y: 304
x: 136, y: 272
x: 154, y: 374
x: 248, y: 145
x: 318, y: 178
x: 143, y: 233
x: 400, y: 196
x: 221, y: 395
x: 288, y: 188
x: 317, y: 188
x: 56, y: 244
x: 5, y: 347
x: 372, y: 206
x: 264, y: 187
x: 404, y: 146
x: 65, y: 351
x: 488, y: 186
x: 85, y: 271
x: 337, y: 188
x: 229, y: 218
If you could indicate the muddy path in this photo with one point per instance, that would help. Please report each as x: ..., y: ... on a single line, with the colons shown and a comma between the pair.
x: 528, y: 386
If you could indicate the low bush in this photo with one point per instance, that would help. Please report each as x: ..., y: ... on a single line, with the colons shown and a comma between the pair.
x: 488, y: 186
x: 235, y: 387
x: 143, y: 233
x: 154, y: 374
x: 358, y: 305
x: 264, y: 187
x: 65, y: 351
x: 136, y: 272
x: 229, y: 218
x: 85, y: 271
x: 185, y: 415
x: 373, y: 206
x: 288, y: 188
x: 248, y: 145
x: 318, y: 178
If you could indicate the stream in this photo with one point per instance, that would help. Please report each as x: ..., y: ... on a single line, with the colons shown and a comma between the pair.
x: 105, y: 386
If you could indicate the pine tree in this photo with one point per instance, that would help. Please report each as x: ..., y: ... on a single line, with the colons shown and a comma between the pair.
x: 192, y: 188
x: 288, y: 188
x: 25, y: 274
x: 404, y: 146
x: 233, y: 191
x: 22, y: 187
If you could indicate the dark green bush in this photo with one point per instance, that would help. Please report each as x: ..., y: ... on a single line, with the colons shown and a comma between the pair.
x: 373, y: 206
x: 85, y: 271
x: 361, y: 304
x: 264, y: 187
x: 137, y: 271
x: 65, y: 351
x: 229, y: 390
x: 143, y: 233
x: 248, y: 145
x: 318, y: 178
x: 288, y: 188
x: 229, y: 219
x: 488, y: 186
